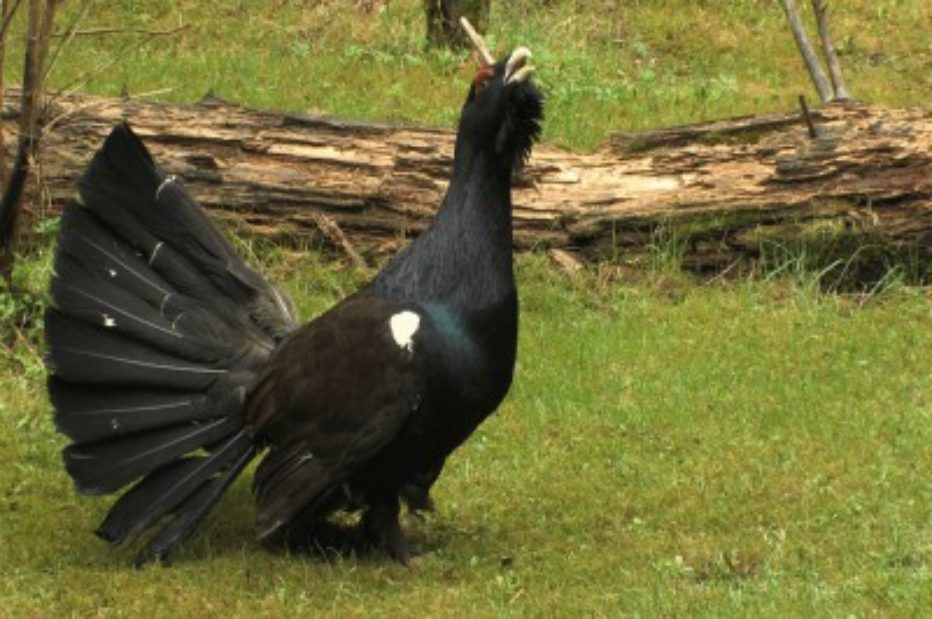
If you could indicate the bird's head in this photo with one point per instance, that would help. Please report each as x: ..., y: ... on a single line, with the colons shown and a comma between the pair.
x: 503, y: 109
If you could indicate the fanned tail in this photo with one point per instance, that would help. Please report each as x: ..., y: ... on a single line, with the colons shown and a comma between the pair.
x: 157, y: 329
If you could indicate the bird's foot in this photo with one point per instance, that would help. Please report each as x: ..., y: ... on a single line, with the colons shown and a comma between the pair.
x: 418, y: 500
x: 384, y: 530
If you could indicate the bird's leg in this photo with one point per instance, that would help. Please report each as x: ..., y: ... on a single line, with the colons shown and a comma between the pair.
x: 381, y: 523
x: 416, y: 492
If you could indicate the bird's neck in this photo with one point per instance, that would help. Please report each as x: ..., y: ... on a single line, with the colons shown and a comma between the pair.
x: 465, y: 257
x: 478, y: 203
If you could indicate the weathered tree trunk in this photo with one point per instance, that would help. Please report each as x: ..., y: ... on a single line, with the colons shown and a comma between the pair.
x: 443, y: 20
x: 716, y: 191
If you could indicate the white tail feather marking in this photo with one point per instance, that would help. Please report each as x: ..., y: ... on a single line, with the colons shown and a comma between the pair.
x: 282, y: 305
x: 171, y: 178
x: 155, y: 251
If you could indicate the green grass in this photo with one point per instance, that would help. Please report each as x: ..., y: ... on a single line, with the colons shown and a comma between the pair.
x: 605, y: 65
x: 668, y: 448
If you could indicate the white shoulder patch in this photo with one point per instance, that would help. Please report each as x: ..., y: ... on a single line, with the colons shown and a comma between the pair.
x: 404, y: 325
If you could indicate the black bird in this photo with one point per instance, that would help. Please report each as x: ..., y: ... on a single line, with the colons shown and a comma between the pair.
x: 173, y: 364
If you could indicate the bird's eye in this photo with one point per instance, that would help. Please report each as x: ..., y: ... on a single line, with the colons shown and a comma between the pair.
x: 483, y: 77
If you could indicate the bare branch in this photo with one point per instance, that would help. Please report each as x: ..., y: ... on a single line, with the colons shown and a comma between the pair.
x: 6, y: 13
x: 8, y: 17
x: 93, y: 32
x: 24, y: 344
x: 805, y: 48
x: 70, y: 34
x: 92, y: 72
x: 41, y: 19
x: 32, y: 73
x: 820, y: 7
x: 813, y: 133
x: 333, y: 233
x: 566, y: 261
x: 478, y: 42
x: 72, y: 86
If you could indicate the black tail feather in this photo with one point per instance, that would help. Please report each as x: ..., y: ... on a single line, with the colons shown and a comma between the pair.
x: 87, y: 414
x: 186, y: 278
x: 85, y: 240
x: 162, y: 207
x: 160, y: 493
x: 81, y: 353
x: 191, y: 513
x: 156, y: 330
x: 161, y: 219
x: 182, y: 328
x: 99, y: 468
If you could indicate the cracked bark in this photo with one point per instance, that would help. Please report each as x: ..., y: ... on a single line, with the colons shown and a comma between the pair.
x: 723, y: 186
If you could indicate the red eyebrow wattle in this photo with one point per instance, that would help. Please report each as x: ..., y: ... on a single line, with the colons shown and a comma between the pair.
x: 484, y: 74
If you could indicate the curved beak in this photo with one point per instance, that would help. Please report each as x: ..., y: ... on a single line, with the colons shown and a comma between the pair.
x: 517, y: 68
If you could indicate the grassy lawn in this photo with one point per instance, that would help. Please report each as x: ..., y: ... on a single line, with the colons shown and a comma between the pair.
x: 605, y: 65
x: 757, y: 448
x: 668, y: 448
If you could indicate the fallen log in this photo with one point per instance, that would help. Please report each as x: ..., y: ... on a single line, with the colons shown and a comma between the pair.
x: 712, y: 193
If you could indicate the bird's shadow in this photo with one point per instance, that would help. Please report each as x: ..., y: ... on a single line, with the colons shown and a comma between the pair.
x: 231, y: 530
x: 345, y: 538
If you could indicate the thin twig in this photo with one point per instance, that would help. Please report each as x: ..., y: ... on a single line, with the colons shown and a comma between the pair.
x: 567, y: 262
x: 151, y: 93
x: 24, y: 342
x: 55, y: 121
x: 721, y: 275
x: 478, y: 42
x: 333, y: 233
x: 805, y: 48
x: 813, y: 132
x: 820, y: 7
x: 73, y: 85
x: 72, y: 29
x: 8, y: 18
x: 94, y: 32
